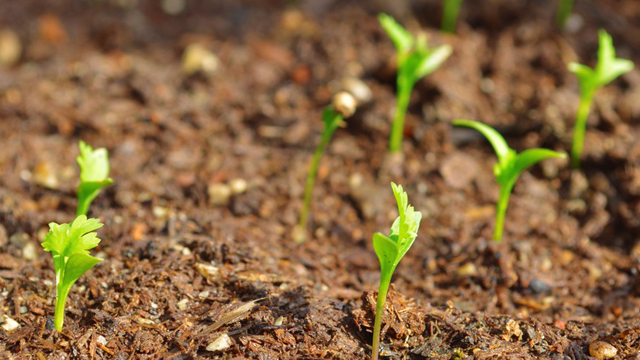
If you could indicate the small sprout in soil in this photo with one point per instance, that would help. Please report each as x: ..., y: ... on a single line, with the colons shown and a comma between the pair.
x: 607, y: 69
x: 450, y: 11
x: 69, y: 245
x: 508, y: 168
x: 343, y: 105
x: 94, y: 175
x: 564, y: 12
x: 390, y: 250
x: 415, y: 61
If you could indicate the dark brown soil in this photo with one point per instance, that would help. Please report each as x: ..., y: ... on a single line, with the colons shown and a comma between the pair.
x: 181, y: 272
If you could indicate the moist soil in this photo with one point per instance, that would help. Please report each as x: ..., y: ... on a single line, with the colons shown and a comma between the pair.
x: 189, y: 273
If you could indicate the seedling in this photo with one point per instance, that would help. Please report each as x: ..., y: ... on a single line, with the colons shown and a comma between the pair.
x: 415, y: 61
x: 344, y: 105
x: 564, y: 12
x: 94, y: 175
x: 390, y: 250
x: 450, y: 11
x: 508, y: 168
x: 607, y: 69
x: 69, y: 245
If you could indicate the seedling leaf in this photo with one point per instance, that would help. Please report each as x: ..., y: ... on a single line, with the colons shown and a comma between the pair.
x: 94, y: 175
x: 498, y: 143
x: 400, y: 37
x: 531, y: 157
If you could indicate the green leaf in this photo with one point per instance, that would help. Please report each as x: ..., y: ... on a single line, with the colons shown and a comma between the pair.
x: 77, y: 265
x: 609, y: 67
x: 400, y: 37
x: 405, y: 228
x: 73, y: 238
x: 94, y: 164
x: 387, y: 251
x: 331, y: 119
x: 531, y: 157
x: 431, y: 61
x: 497, y: 141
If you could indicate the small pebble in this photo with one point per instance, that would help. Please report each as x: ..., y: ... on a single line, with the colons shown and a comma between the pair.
x: 356, y: 87
x: 173, y: 7
x: 219, y: 194
x: 19, y: 240
x: 468, y: 269
x: 29, y: 252
x: 45, y: 176
x: 210, y: 272
x: 183, y: 304
x: 602, y: 350
x: 9, y: 324
x: 223, y: 342
x: 196, y: 58
x: 238, y: 186
x: 10, y: 48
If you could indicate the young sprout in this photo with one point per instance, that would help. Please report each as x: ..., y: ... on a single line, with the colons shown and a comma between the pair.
x: 508, y: 168
x: 415, y: 61
x: 94, y: 175
x: 607, y: 69
x: 343, y: 105
x: 450, y: 11
x: 390, y: 250
x: 564, y: 11
x: 69, y: 245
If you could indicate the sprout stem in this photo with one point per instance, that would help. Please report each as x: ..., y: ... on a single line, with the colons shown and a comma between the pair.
x: 83, y: 205
x: 564, y: 11
x: 61, y: 298
x: 580, y: 129
x: 312, y: 175
x: 501, y: 210
x: 385, y: 281
x: 450, y: 12
x: 397, y: 128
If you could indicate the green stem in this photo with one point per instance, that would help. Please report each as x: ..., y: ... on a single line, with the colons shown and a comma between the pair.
x: 311, y: 178
x: 385, y: 281
x: 397, y: 128
x: 83, y: 205
x: 501, y: 210
x: 579, y: 130
x: 564, y: 11
x: 450, y: 12
x: 61, y: 299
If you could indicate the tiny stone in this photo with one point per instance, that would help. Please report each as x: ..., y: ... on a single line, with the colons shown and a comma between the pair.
x: 219, y: 194
x: 23, y: 309
x: 182, y: 304
x: 154, y: 305
x: 160, y: 212
x: 9, y: 324
x: 203, y: 295
x: 101, y: 340
x: 221, y: 343
x: 173, y: 7
x: 602, y: 350
x: 279, y: 321
x: 197, y: 58
x: 10, y: 48
x: 210, y: 272
x: 468, y: 269
x: 48, y: 282
x: 538, y: 286
x: 238, y: 186
x: 29, y: 252
x: 45, y: 176
x: 19, y: 240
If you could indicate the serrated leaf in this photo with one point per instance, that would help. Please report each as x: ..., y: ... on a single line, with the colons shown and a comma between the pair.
x: 69, y: 239
x: 400, y: 37
x: 498, y: 142
x: 405, y: 228
x: 531, y: 157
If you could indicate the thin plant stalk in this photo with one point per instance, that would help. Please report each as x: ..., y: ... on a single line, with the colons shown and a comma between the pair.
x: 501, y: 210
x: 579, y: 130
x: 385, y: 282
x: 450, y: 12
x: 313, y: 169
x: 397, y: 128
x: 565, y: 7
x: 61, y: 299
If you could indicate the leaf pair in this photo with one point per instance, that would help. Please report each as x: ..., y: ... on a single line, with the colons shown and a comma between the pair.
x: 390, y: 250
x: 415, y: 59
x: 509, y: 167
x: 94, y: 175
x: 70, y: 244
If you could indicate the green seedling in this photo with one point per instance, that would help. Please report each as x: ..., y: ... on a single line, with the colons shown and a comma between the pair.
x: 69, y: 245
x: 343, y: 106
x: 564, y: 12
x: 94, y: 175
x: 591, y: 79
x: 415, y: 61
x: 450, y: 11
x: 390, y: 250
x: 508, y: 168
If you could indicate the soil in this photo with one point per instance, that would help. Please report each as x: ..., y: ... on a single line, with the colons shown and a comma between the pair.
x: 186, y: 270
